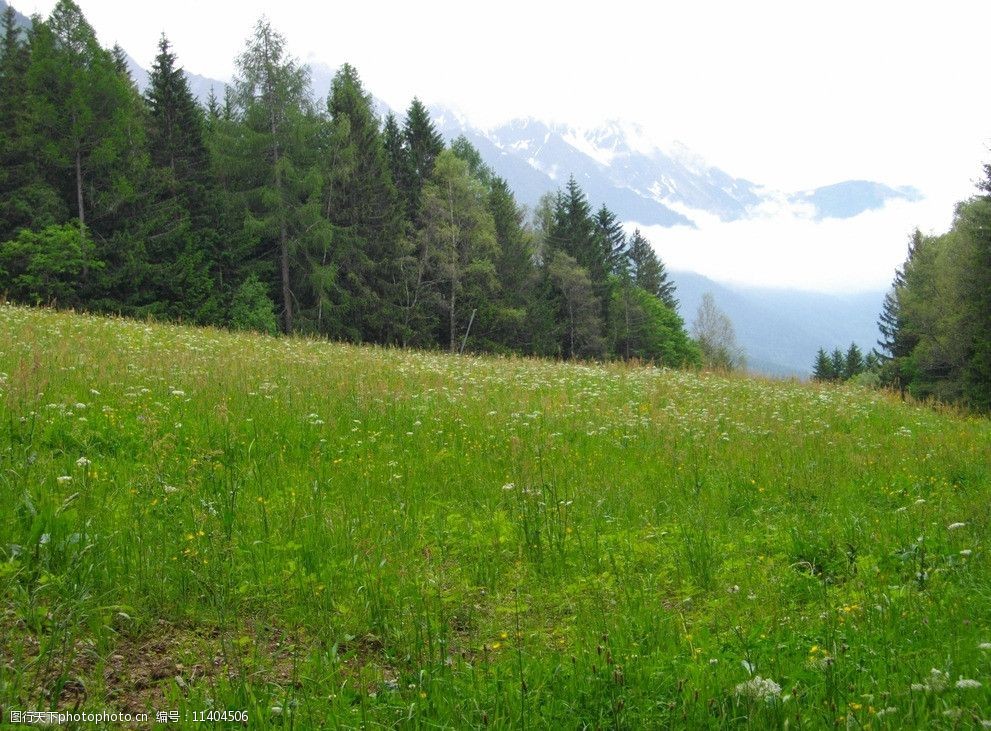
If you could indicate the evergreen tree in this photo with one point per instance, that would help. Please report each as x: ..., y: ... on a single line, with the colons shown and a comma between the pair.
x: 362, y: 204
x: 179, y: 225
x: 648, y: 270
x: 422, y: 143
x: 822, y: 370
x: 612, y: 240
x: 853, y: 362
x: 837, y: 362
x: 504, y: 321
x: 397, y: 159
x: 463, y: 148
x: 26, y: 199
x: 574, y: 232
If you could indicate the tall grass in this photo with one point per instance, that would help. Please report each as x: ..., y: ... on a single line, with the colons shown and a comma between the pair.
x: 337, y: 536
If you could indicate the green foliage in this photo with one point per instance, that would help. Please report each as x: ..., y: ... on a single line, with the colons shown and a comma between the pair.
x: 252, y: 308
x: 937, y: 318
x: 46, y: 266
x: 648, y: 272
x: 579, y: 323
x: 641, y: 326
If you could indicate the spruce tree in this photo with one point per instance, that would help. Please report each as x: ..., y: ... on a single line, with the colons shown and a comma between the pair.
x: 837, y: 362
x: 26, y: 199
x: 648, y: 270
x: 422, y: 143
x: 612, y: 239
x: 853, y: 362
x: 822, y: 369
x: 362, y: 204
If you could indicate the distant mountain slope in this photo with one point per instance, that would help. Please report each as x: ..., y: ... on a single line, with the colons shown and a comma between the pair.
x: 781, y: 329
x: 852, y: 197
x: 619, y: 165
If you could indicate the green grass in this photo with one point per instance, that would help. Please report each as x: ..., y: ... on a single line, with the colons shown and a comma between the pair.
x: 335, y: 536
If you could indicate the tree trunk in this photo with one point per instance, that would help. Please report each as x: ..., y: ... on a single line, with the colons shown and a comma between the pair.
x: 79, y: 190
x: 454, y: 269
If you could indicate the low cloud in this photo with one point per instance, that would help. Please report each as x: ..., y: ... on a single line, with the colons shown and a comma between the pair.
x: 782, y: 245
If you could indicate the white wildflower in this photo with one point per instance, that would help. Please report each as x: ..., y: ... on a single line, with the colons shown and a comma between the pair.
x: 83, y: 462
x: 966, y: 552
x: 967, y: 684
x: 177, y: 393
x: 936, y: 682
x: 509, y: 486
x: 955, y: 526
x: 759, y: 688
x: 887, y: 711
x: 984, y: 646
x: 63, y: 479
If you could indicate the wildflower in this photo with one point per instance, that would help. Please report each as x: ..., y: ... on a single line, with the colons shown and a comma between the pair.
x: 955, y: 526
x: 63, y: 479
x: 984, y: 646
x: 83, y: 462
x: 936, y: 682
x: 967, y: 684
x: 759, y: 688
x: 177, y: 393
x: 509, y: 486
x: 966, y: 552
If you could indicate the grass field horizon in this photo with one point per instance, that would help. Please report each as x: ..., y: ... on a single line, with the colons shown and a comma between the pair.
x: 336, y: 536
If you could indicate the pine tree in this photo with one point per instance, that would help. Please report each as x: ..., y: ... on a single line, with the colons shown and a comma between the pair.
x: 422, y: 143
x: 504, y: 321
x: 612, y: 239
x: 648, y: 270
x: 362, y: 203
x: 175, y: 130
x: 397, y: 159
x: 822, y: 370
x: 180, y: 278
x: 26, y: 199
x: 853, y: 363
x: 897, y: 342
x: 837, y: 362
x: 574, y: 232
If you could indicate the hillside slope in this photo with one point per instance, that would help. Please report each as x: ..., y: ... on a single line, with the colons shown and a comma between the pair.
x: 320, y: 534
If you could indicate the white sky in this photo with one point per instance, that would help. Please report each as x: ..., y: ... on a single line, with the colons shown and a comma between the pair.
x: 791, y: 94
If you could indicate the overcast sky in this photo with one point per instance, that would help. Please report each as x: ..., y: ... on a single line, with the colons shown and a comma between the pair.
x: 788, y: 94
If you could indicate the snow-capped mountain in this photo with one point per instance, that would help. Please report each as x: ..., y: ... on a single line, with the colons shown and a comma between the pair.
x: 618, y: 164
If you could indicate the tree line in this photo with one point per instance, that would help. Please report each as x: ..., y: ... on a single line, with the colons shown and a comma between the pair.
x: 840, y: 366
x: 267, y: 210
x: 936, y: 319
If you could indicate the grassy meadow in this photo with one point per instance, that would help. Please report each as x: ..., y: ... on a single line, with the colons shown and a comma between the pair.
x: 330, y: 536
